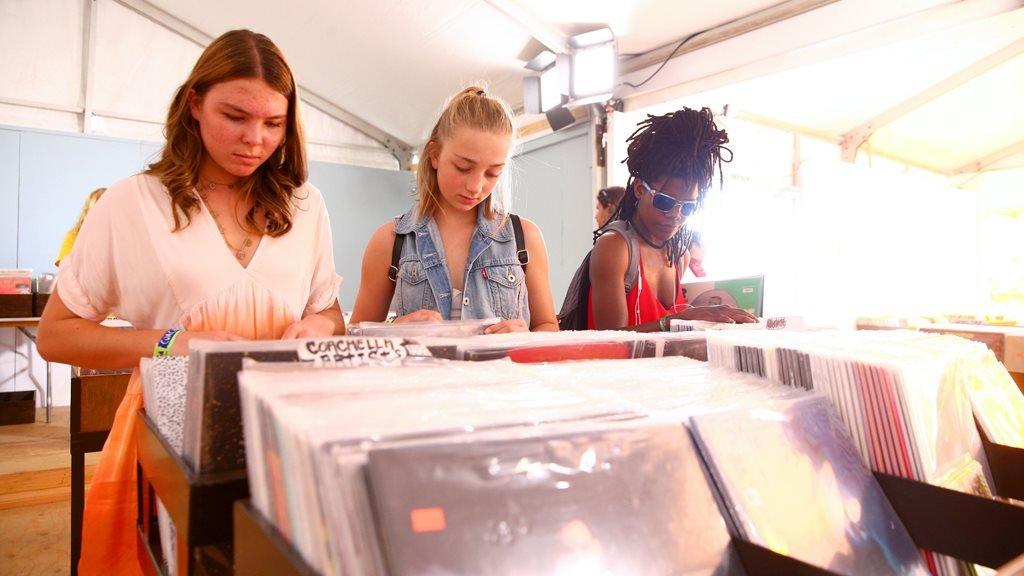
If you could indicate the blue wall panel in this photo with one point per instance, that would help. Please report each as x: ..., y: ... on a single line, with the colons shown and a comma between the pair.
x: 359, y: 200
x: 9, y: 142
x: 553, y: 187
x: 57, y: 172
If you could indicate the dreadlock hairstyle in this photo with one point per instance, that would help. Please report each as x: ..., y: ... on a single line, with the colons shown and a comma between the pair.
x: 682, y: 144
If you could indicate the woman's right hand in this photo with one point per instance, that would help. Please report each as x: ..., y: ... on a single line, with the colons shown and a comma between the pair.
x: 719, y: 313
x: 420, y: 316
x: 181, y: 343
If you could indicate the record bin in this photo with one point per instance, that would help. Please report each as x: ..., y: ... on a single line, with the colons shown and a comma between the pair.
x: 1007, y: 466
x: 260, y: 550
x: 971, y: 528
x: 199, y: 507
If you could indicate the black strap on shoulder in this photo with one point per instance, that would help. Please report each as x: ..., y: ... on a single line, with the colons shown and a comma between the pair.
x: 396, y: 255
x: 521, y: 251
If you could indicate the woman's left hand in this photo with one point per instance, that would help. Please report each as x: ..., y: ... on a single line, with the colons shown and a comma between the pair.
x: 312, y: 326
x: 513, y: 325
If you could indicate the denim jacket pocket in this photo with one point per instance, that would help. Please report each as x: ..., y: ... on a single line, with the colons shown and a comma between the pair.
x: 413, y: 290
x: 507, y: 287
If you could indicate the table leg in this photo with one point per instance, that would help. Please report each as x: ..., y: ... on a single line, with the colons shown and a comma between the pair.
x: 77, y: 507
x: 49, y: 392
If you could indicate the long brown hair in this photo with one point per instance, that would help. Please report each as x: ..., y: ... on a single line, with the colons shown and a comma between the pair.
x: 474, y: 108
x: 235, y: 54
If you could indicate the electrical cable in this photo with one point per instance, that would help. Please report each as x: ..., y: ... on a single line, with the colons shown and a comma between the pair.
x: 653, y: 74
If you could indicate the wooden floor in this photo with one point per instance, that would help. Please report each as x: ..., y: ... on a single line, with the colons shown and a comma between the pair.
x: 35, y: 496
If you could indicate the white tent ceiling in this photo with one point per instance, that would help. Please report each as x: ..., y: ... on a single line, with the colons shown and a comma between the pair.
x: 384, y: 68
x: 836, y: 95
x: 952, y: 98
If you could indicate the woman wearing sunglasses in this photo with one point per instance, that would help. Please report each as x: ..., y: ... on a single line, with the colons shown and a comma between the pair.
x: 672, y: 160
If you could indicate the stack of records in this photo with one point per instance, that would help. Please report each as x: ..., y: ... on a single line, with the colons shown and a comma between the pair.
x: 456, y: 467
x: 793, y: 482
x: 901, y: 395
x: 902, y: 399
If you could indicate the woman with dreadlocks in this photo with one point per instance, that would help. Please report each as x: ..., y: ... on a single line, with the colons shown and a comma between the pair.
x: 671, y: 160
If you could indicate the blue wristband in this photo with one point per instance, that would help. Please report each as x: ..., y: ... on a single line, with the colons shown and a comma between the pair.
x: 166, y: 342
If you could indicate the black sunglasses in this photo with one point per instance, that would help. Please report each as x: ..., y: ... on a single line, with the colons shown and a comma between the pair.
x: 666, y: 203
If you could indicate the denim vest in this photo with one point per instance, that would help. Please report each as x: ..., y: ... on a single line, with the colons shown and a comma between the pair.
x: 495, y: 282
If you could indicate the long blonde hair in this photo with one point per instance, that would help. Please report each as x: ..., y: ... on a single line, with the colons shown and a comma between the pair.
x: 235, y: 54
x: 90, y: 201
x: 471, y: 107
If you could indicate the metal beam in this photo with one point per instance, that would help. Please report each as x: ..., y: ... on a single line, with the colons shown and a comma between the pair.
x: 983, y: 163
x: 41, y: 105
x: 168, y: 21
x: 852, y: 141
x: 551, y: 39
x: 88, y: 62
x: 129, y: 117
x: 352, y: 147
x: 400, y: 149
x: 738, y: 27
x: 826, y: 137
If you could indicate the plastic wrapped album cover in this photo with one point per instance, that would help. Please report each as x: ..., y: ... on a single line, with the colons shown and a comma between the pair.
x: 614, y: 501
x: 794, y: 483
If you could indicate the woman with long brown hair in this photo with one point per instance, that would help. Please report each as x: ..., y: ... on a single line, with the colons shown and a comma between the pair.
x: 221, y: 239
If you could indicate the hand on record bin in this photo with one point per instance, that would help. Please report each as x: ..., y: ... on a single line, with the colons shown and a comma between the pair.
x: 718, y: 313
x: 420, y: 316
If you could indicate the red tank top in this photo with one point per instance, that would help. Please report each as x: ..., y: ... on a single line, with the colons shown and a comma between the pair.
x: 642, y: 304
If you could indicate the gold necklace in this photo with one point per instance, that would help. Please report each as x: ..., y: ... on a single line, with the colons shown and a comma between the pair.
x: 247, y: 242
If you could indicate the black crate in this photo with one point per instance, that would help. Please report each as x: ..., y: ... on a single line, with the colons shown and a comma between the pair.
x: 15, y: 305
x: 39, y: 300
x: 17, y: 407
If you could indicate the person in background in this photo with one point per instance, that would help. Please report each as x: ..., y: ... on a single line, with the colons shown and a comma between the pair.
x: 458, y: 250
x: 608, y: 200
x: 672, y: 160
x: 221, y: 239
x: 69, y: 238
x: 696, y: 251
